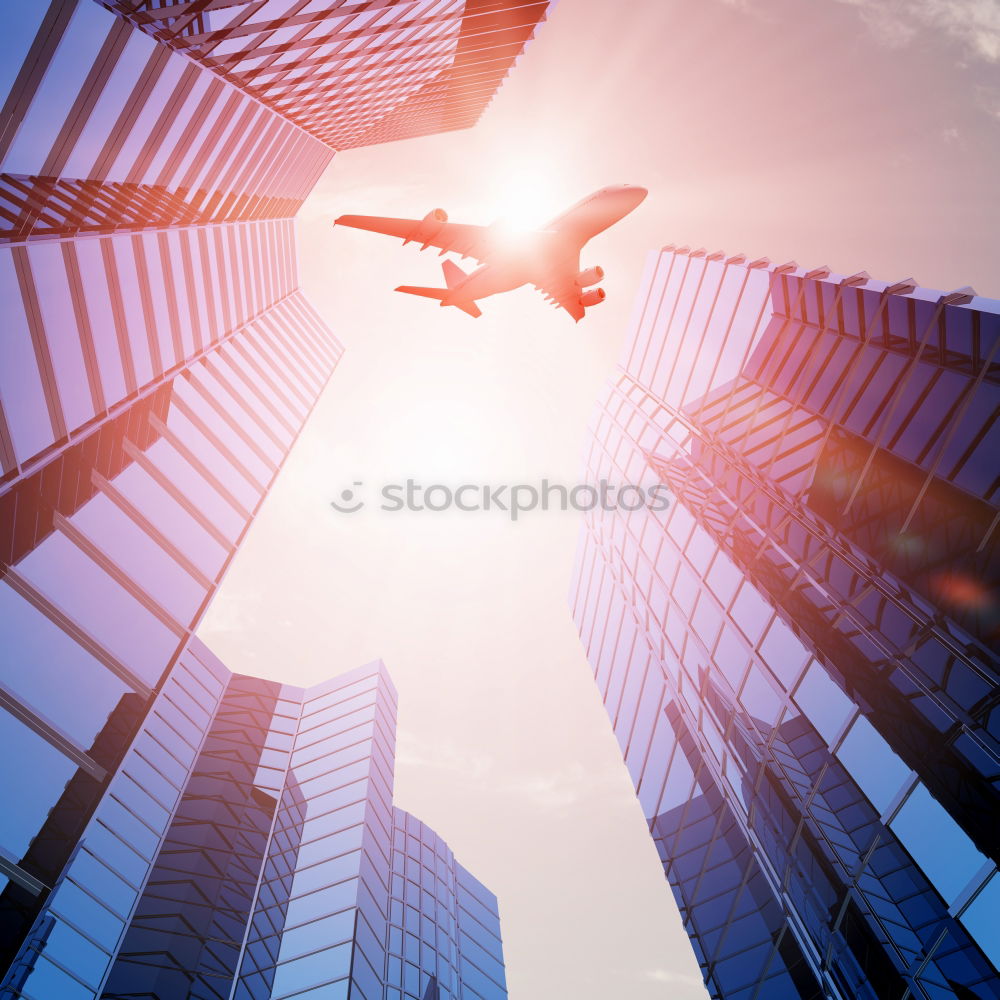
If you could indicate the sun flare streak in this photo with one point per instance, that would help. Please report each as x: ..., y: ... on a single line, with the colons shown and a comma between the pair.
x: 523, y: 198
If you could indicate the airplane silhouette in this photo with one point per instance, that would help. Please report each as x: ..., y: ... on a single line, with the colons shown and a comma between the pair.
x: 549, y: 258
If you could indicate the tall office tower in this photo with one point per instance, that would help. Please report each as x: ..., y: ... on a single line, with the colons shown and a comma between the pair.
x: 102, y: 130
x: 444, y: 925
x: 350, y: 73
x: 157, y: 363
x: 146, y: 234
x: 248, y: 848
x: 116, y: 537
x: 799, y: 655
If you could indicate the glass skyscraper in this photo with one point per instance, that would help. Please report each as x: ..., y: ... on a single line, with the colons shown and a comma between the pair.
x: 157, y: 363
x: 247, y: 847
x: 799, y: 655
x: 444, y: 928
x: 353, y: 74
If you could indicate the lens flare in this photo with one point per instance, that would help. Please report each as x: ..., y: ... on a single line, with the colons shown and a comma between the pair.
x: 962, y: 590
x: 524, y: 198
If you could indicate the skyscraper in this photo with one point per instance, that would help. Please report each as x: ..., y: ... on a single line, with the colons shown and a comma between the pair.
x: 116, y: 534
x: 157, y: 363
x: 353, y: 74
x: 799, y: 656
x: 444, y: 925
x: 248, y: 848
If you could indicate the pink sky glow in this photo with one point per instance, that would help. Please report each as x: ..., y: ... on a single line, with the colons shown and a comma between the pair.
x: 841, y: 132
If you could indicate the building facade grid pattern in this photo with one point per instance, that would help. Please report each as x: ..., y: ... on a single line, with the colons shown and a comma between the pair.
x: 157, y: 365
x: 761, y: 666
x: 444, y: 938
x: 353, y: 74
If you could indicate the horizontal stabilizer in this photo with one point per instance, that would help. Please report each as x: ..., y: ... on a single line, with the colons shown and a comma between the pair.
x: 439, y: 293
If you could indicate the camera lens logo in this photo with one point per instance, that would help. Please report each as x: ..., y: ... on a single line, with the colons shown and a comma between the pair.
x: 349, y: 498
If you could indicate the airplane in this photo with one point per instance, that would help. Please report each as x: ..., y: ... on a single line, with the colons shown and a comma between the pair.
x: 549, y: 258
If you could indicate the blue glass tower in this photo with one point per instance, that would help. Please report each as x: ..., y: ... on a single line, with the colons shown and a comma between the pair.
x: 444, y: 928
x: 799, y: 656
x: 247, y: 847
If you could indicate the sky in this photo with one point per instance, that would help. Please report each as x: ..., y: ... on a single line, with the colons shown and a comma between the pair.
x: 860, y: 134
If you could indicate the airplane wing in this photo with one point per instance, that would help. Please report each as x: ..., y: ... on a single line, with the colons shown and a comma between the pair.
x: 469, y: 241
x: 564, y: 294
x: 555, y: 281
x: 559, y: 287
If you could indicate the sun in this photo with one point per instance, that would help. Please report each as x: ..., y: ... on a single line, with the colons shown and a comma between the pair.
x: 523, y: 198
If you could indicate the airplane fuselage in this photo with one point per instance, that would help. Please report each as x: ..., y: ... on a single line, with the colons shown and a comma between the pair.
x: 557, y: 245
x: 549, y: 258
x: 505, y: 272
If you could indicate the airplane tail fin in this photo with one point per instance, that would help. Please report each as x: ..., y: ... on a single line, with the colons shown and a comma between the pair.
x: 453, y: 274
x: 439, y: 293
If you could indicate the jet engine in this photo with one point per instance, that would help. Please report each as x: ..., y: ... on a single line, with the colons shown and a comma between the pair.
x: 590, y: 276
x: 430, y: 225
x: 592, y: 297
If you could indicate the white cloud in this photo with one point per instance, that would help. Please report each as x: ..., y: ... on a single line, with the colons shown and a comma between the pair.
x: 988, y: 98
x: 974, y: 24
x: 674, y: 978
x: 756, y: 8
x: 442, y: 756
x: 554, y: 788
x: 569, y: 786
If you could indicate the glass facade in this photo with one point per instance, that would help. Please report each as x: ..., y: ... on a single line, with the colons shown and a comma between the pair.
x: 108, y: 131
x: 165, y: 824
x: 444, y: 929
x: 115, y: 535
x: 114, y: 538
x: 799, y: 655
x: 354, y: 74
x: 248, y: 848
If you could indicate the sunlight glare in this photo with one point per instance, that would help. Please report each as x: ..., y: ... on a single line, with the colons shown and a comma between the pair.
x: 524, y: 198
